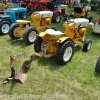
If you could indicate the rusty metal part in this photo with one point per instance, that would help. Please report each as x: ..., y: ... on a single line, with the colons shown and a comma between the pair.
x: 15, y: 74
x: 42, y: 54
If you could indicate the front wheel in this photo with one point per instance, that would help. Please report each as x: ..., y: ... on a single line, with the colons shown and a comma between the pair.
x: 38, y: 44
x: 56, y: 18
x: 87, y: 45
x: 30, y: 35
x: 4, y: 27
x: 12, y: 31
x: 65, y: 52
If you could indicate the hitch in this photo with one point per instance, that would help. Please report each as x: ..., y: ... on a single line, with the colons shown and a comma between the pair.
x: 15, y: 74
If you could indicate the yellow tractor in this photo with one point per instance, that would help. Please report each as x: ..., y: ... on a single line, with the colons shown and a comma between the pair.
x: 51, y: 42
x: 82, y: 12
x: 22, y: 28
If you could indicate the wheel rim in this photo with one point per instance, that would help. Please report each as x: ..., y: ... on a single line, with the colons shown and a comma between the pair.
x: 67, y: 54
x: 24, y: 16
x: 89, y: 46
x: 5, y: 28
x: 57, y: 18
x: 32, y: 36
x: 43, y: 48
x: 15, y: 34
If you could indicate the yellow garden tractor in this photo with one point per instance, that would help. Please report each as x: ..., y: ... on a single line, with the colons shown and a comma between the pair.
x: 82, y: 12
x: 22, y: 28
x: 53, y: 42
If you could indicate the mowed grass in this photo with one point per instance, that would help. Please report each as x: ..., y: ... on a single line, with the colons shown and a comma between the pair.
x: 77, y: 80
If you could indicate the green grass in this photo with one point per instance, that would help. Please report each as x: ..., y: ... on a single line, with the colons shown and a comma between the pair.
x: 76, y: 80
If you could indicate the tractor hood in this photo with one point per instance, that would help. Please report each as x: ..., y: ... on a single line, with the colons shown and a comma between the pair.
x: 14, y: 10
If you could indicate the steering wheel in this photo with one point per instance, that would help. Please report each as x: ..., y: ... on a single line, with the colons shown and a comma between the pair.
x: 66, y: 18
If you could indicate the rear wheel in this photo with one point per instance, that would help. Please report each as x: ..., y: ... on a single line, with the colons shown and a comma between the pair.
x: 4, y: 27
x: 87, y: 45
x: 30, y: 35
x: 97, y: 68
x: 65, y: 52
x: 38, y: 44
x: 56, y: 18
x: 12, y: 31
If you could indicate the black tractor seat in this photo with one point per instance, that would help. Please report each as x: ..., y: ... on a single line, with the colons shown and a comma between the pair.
x: 4, y: 16
x: 78, y: 9
x: 51, y: 6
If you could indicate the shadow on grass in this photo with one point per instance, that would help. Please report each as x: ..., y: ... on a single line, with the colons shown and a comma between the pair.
x: 13, y: 84
x: 48, y: 62
x: 78, y: 48
x: 97, y: 74
x: 18, y: 42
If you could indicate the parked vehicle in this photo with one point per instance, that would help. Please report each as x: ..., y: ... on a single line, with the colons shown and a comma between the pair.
x: 9, y: 17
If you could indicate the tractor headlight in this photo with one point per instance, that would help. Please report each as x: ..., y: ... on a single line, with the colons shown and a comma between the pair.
x: 48, y: 20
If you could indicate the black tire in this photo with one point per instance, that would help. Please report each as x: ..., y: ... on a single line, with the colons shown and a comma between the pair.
x: 41, y: 8
x: 27, y: 35
x: 90, y: 19
x: 52, y: 27
x: 61, y: 60
x: 3, y: 28
x: 37, y: 44
x: 12, y: 34
x: 87, y: 45
x: 56, y: 18
x: 97, y: 68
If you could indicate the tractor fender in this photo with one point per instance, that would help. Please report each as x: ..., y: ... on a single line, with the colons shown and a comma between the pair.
x: 61, y: 40
x: 42, y: 34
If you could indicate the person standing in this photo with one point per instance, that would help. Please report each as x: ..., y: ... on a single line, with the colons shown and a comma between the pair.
x: 71, y: 3
x: 77, y: 3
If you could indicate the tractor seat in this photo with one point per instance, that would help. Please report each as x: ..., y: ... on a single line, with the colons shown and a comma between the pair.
x: 78, y: 9
x: 50, y: 6
x: 4, y: 16
x: 22, y: 21
x: 53, y: 32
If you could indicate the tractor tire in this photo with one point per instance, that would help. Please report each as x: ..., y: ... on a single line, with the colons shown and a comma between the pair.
x: 87, y: 45
x: 12, y: 33
x: 37, y: 45
x: 56, y: 18
x: 52, y: 27
x: 97, y: 68
x: 41, y: 8
x: 90, y: 19
x: 65, y: 52
x: 30, y: 35
x: 4, y: 27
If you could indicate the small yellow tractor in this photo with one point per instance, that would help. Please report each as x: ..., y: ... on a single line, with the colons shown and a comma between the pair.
x: 53, y: 42
x: 22, y: 28
x: 82, y: 12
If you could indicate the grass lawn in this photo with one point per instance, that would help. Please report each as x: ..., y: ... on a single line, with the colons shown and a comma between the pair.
x: 46, y: 80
